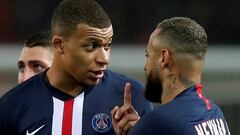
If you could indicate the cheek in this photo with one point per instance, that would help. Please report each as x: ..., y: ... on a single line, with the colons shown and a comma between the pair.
x: 147, y: 67
x: 19, y: 76
x: 82, y: 62
x: 108, y: 53
x: 75, y: 57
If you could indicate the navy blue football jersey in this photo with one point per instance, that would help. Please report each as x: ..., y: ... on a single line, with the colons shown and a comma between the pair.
x: 190, y: 113
x: 36, y: 107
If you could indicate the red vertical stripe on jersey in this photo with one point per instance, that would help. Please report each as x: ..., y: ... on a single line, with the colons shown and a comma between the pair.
x: 67, y: 117
x: 199, y: 92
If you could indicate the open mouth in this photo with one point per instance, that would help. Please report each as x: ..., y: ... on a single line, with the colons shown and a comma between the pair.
x: 97, y: 74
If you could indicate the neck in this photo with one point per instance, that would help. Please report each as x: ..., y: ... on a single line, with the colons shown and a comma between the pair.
x: 176, y: 84
x: 63, y: 81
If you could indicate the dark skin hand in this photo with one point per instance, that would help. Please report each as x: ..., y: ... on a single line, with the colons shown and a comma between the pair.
x: 124, y: 117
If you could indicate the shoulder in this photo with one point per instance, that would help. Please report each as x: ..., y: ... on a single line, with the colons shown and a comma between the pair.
x: 159, y: 122
x: 11, y: 104
x: 20, y: 94
x: 15, y: 93
x: 120, y: 79
x: 23, y: 88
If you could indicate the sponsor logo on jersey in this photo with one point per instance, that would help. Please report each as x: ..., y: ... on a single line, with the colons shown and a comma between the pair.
x: 101, y: 122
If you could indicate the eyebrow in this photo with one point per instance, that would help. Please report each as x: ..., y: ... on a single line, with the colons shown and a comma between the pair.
x: 98, y: 40
x: 31, y: 62
x: 20, y: 63
x: 92, y: 38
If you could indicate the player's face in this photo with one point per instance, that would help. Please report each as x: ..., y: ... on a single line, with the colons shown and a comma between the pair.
x: 33, y: 61
x: 153, y: 89
x: 86, y: 53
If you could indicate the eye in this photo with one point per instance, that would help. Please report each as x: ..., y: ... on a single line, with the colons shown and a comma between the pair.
x: 107, y: 47
x: 38, y: 68
x: 146, y: 55
x: 21, y: 68
x: 91, y: 46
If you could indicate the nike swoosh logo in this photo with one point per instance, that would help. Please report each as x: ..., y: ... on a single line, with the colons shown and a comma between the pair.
x: 35, y: 131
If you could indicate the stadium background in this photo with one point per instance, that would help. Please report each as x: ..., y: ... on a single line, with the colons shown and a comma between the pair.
x: 133, y: 21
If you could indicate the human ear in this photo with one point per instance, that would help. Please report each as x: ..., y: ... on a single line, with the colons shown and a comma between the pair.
x: 165, y: 58
x: 57, y: 43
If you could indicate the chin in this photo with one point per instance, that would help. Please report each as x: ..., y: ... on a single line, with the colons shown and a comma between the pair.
x: 153, y: 88
x: 93, y: 82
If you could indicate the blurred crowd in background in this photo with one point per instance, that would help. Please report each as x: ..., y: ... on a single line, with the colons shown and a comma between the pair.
x: 133, y: 20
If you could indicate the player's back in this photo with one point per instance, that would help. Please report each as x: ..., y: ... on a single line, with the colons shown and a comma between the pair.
x: 190, y: 113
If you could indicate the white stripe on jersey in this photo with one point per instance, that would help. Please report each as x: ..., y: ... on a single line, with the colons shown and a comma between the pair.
x: 77, y: 111
x: 58, y: 106
x: 77, y: 115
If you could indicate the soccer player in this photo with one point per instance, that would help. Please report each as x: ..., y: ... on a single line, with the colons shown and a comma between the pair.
x: 76, y: 94
x: 175, y: 56
x: 36, y: 56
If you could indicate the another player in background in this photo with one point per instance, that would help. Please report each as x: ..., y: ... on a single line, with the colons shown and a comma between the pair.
x: 36, y: 56
x: 76, y: 94
x: 175, y: 56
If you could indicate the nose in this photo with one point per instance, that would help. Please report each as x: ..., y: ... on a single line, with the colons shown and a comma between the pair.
x: 103, y: 56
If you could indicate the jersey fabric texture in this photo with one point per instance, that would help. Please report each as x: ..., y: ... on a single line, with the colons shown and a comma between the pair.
x: 36, y: 107
x: 190, y: 113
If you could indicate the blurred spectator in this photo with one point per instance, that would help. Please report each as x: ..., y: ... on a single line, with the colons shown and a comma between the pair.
x: 133, y: 20
x: 7, y: 21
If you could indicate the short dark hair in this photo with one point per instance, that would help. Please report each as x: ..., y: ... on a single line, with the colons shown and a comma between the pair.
x: 184, y: 34
x: 70, y: 13
x: 41, y: 39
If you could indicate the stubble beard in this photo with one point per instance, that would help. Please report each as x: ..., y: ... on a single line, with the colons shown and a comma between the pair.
x: 153, y: 87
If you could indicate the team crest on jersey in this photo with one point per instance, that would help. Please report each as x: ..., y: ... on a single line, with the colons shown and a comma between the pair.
x: 101, y: 122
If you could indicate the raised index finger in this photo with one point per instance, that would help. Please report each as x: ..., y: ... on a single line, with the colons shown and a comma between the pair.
x: 127, y: 94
